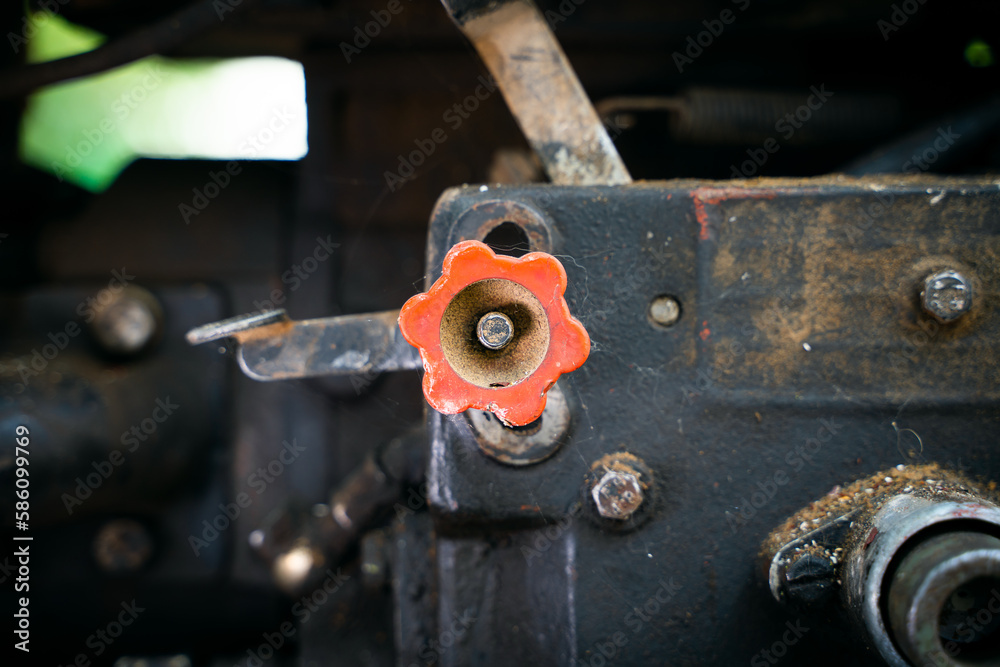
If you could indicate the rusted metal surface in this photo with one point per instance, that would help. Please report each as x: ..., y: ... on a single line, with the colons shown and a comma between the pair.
x: 523, y: 445
x: 346, y: 345
x: 558, y: 592
x: 542, y: 91
x: 501, y: 366
x: 235, y: 325
x: 835, y: 302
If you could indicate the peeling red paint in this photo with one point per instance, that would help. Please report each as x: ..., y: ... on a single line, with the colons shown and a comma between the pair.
x: 713, y: 196
x: 717, y: 195
x: 702, y: 216
x: 706, y: 332
x: 971, y: 511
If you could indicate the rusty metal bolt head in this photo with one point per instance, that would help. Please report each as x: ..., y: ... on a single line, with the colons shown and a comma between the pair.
x: 495, y: 330
x: 947, y: 295
x: 617, y: 494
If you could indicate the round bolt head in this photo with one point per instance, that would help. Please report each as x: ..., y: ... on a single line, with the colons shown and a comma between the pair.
x: 495, y: 330
x: 617, y: 495
x: 664, y: 311
x: 947, y: 295
x: 129, y: 323
x: 122, y: 545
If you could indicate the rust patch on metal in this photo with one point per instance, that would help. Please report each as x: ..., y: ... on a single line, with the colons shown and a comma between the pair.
x: 871, y: 536
x: 831, y: 290
x: 276, y: 330
x: 713, y: 196
x: 623, y: 462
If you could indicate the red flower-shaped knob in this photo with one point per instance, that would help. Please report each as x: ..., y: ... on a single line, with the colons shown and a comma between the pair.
x: 494, y: 333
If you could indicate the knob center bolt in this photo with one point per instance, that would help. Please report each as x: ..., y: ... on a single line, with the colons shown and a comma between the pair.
x: 495, y: 330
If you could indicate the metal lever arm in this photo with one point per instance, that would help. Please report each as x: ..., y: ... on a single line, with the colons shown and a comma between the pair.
x: 273, y: 347
x: 541, y: 89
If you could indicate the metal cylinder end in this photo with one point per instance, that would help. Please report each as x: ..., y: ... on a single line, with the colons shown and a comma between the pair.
x: 944, y: 600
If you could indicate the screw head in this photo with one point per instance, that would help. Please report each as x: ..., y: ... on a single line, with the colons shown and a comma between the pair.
x: 809, y: 579
x: 947, y: 295
x: 495, y: 330
x: 664, y: 311
x: 617, y: 494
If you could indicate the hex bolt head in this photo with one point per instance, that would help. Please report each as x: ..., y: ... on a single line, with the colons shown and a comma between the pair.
x: 495, y: 330
x: 617, y: 494
x: 947, y: 295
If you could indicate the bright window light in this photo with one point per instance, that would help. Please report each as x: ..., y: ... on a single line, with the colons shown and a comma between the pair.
x: 87, y: 130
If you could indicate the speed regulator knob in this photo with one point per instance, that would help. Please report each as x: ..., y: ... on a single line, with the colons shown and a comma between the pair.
x: 494, y: 333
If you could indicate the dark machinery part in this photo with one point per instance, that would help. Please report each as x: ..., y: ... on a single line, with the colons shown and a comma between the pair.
x: 909, y: 556
x: 743, y: 309
x: 747, y: 117
x: 301, y: 543
x: 99, y: 437
x: 755, y: 343
x: 947, y: 139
